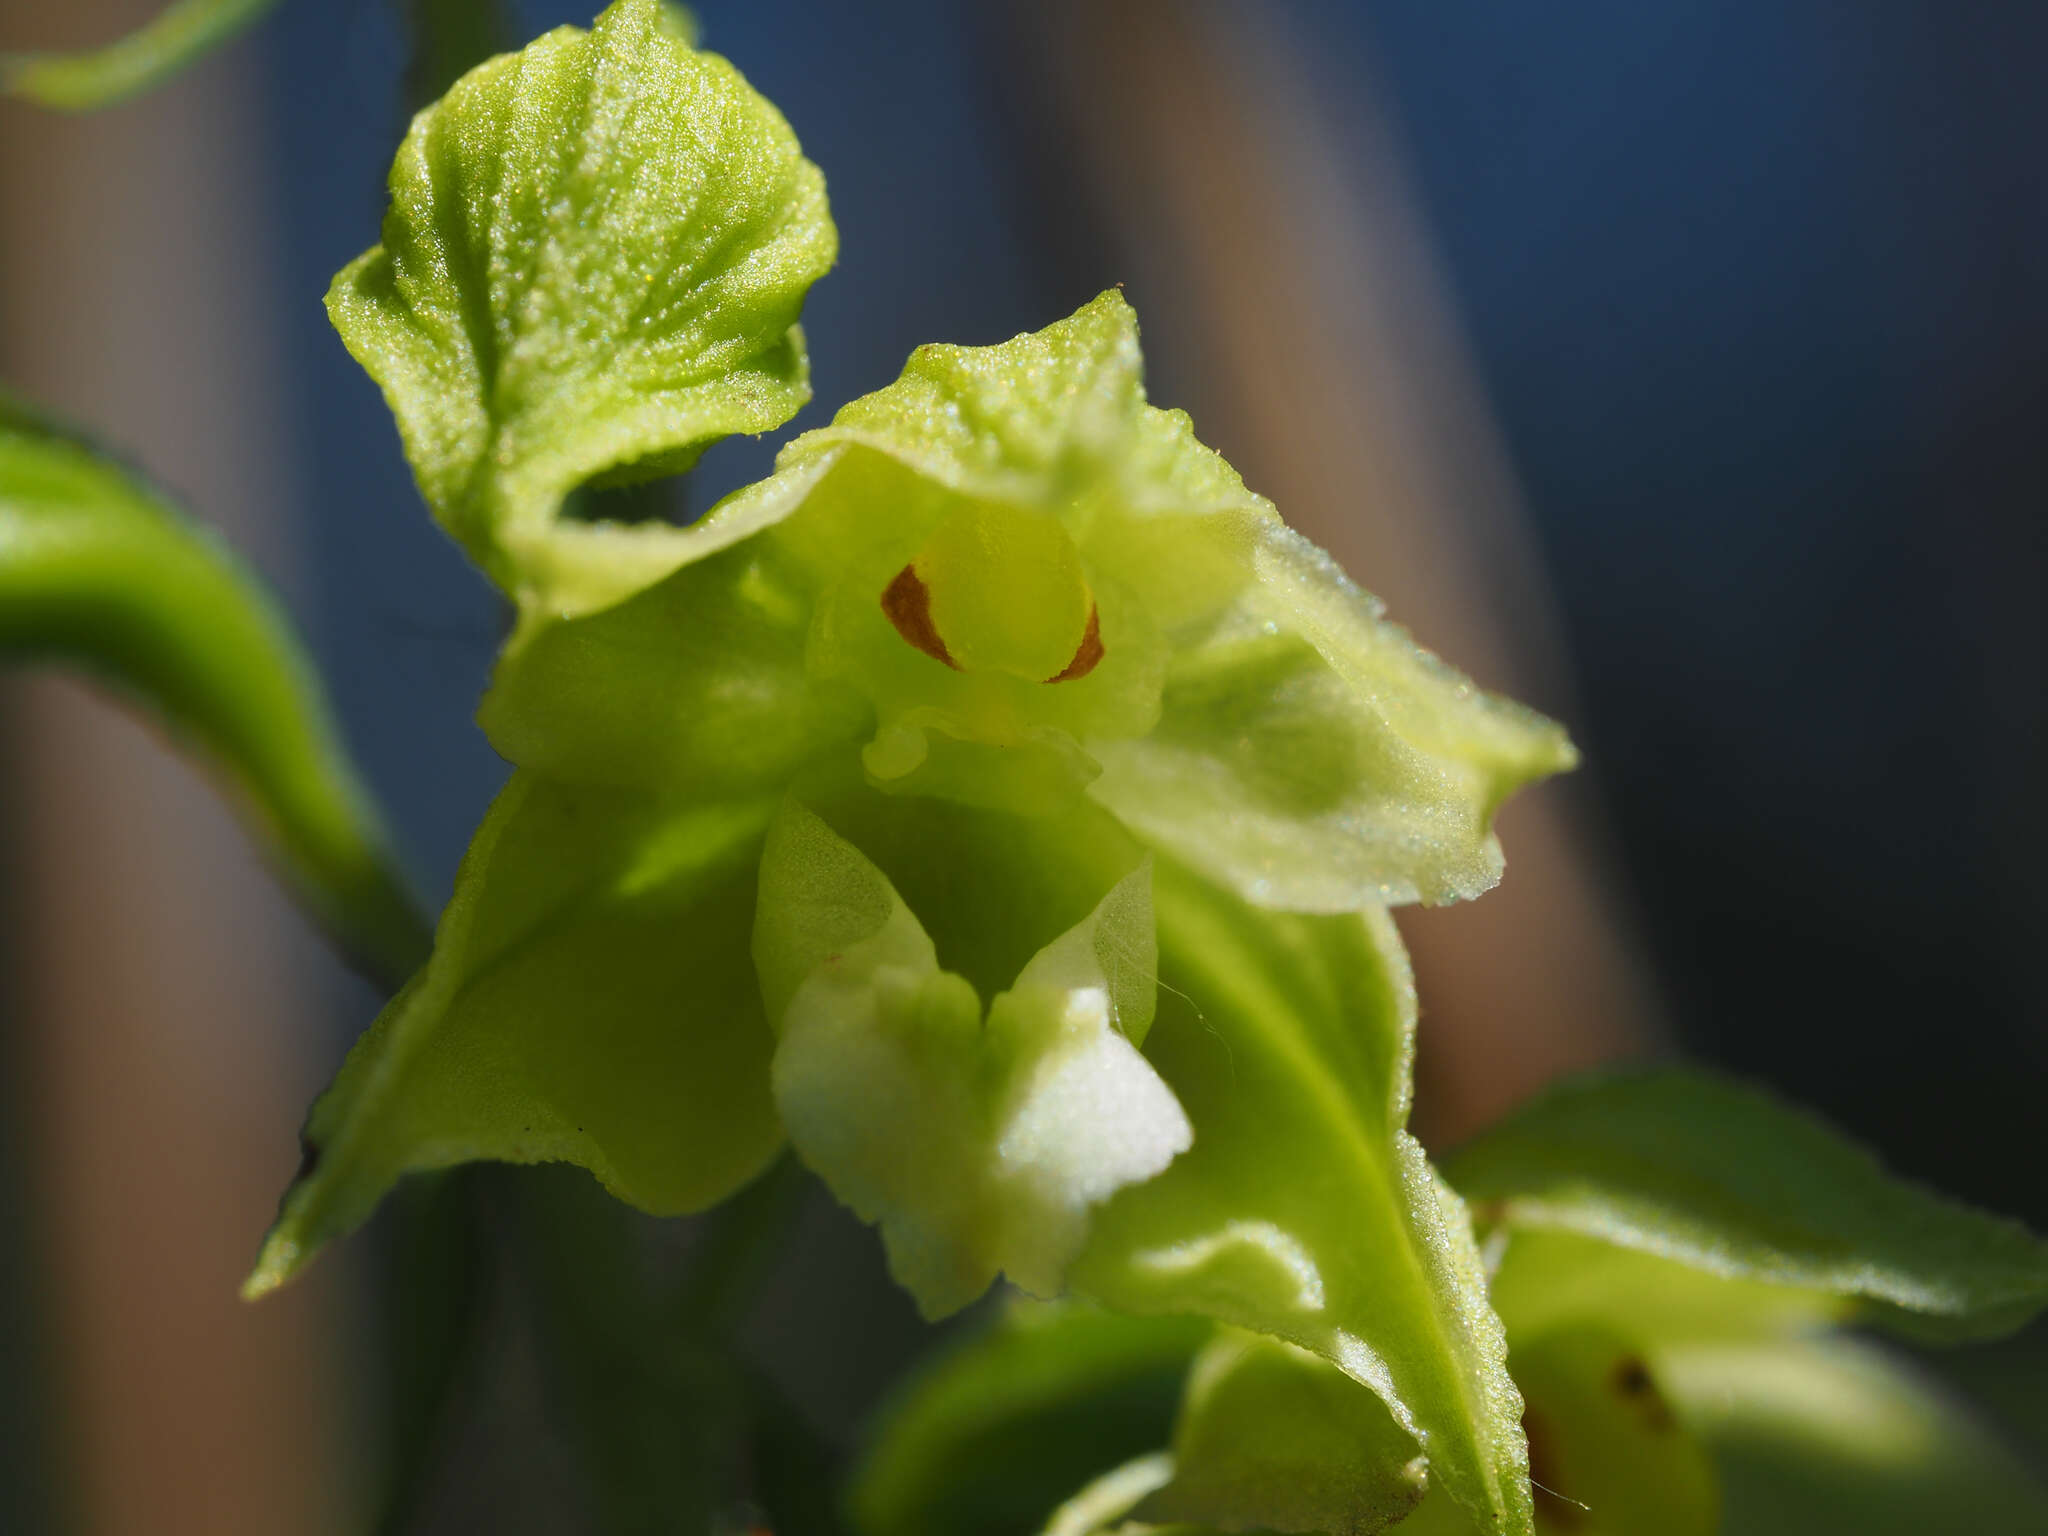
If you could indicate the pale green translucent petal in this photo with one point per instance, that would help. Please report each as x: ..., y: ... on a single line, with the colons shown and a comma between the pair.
x: 697, y: 684
x: 590, y: 1000
x: 1834, y: 1435
x: 1304, y: 1210
x: 83, y: 82
x: 978, y: 1147
x: 1052, y: 1395
x: 1312, y: 757
x: 99, y: 571
x: 1725, y: 1178
x: 1273, y: 1438
x: 593, y: 264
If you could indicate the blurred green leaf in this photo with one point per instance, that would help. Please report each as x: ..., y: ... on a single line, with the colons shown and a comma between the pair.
x: 1833, y: 1435
x: 1304, y: 1209
x: 1007, y: 1423
x: 590, y: 1000
x: 1271, y: 1437
x: 1725, y: 1178
x: 99, y: 571
x: 145, y: 58
x: 1549, y: 1279
x: 593, y: 264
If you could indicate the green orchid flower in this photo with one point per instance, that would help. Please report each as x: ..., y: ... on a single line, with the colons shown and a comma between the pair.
x: 998, y: 802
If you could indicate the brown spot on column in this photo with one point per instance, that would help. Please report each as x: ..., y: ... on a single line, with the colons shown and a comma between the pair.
x: 908, y: 603
x: 1088, y: 655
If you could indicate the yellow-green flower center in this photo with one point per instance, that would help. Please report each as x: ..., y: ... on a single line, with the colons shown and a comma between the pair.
x: 999, y: 589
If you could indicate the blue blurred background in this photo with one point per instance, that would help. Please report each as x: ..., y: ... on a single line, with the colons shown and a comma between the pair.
x: 1743, y: 307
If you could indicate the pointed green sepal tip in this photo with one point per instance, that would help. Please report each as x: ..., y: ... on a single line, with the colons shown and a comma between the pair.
x: 590, y: 1000
x: 594, y: 261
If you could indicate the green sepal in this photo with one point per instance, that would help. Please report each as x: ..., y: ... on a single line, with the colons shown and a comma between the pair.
x: 590, y: 1000
x: 1311, y: 756
x: 100, y: 571
x: 592, y: 267
x: 1705, y: 1172
x: 1304, y: 1210
x: 1837, y: 1435
x: 978, y: 1141
x: 158, y: 49
x: 1004, y: 1425
x: 1273, y: 1438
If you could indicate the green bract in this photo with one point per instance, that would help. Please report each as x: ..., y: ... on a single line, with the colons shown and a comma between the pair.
x: 593, y: 264
x: 99, y: 571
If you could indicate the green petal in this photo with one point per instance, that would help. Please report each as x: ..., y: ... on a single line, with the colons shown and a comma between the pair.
x: 1310, y: 756
x: 99, y: 571
x: 593, y: 264
x: 1273, y: 1438
x: 1834, y: 1435
x: 152, y: 53
x: 698, y: 683
x: 978, y: 1147
x: 1726, y: 1179
x: 1003, y: 1426
x: 590, y: 1000
x: 1305, y: 1210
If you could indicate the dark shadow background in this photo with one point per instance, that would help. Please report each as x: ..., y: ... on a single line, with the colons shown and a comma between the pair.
x: 1758, y: 294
